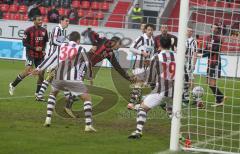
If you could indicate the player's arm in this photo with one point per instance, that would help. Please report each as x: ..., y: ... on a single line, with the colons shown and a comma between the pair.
x: 26, y: 40
x: 206, y: 47
x: 152, y: 71
x: 88, y: 64
x: 51, y: 61
x: 195, y: 52
x: 134, y: 48
x: 113, y: 60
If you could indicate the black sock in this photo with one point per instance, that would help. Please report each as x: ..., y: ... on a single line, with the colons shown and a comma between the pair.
x: 17, y: 81
x: 38, y: 88
x: 216, y: 91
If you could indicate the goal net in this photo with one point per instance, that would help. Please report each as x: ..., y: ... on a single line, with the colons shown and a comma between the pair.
x: 207, y: 123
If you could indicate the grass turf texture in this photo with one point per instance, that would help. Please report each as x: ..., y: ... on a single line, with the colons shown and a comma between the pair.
x: 22, y: 131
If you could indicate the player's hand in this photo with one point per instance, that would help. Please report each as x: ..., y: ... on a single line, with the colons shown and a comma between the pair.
x: 38, y: 48
x: 146, y: 63
x: 145, y: 54
x: 94, y: 48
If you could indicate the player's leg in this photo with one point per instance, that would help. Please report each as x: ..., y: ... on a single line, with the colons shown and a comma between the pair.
x: 21, y: 76
x: 148, y: 103
x: 88, y: 112
x: 69, y: 103
x: 50, y: 106
x: 185, y: 96
x: 45, y: 83
x: 214, y: 73
x: 37, y: 62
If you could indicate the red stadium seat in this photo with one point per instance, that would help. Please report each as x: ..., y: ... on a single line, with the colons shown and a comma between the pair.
x: 22, y: 9
x: 90, y: 14
x: 95, y: 5
x: 105, y: 6
x: 6, y: 16
x: 62, y: 11
x: 13, y: 8
x: 80, y: 13
x: 25, y: 17
x: 99, y: 15
x: 76, y: 4
x: 93, y: 22
x: 4, y: 7
x: 16, y: 17
x: 45, y: 19
x: 83, y: 21
x: 43, y: 10
x: 85, y: 4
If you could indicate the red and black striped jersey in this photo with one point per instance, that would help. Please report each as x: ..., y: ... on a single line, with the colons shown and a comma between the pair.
x: 212, y: 48
x: 35, y: 37
x: 104, y: 50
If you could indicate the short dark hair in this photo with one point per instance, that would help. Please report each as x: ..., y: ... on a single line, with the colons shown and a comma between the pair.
x: 36, y: 16
x: 63, y: 17
x: 74, y: 36
x: 165, y: 42
x: 149, y: 25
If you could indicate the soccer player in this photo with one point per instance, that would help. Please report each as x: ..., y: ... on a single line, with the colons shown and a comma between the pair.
x: 34, y: 40
x: 190, y: 61
x: 71, y: 62
x: 162, y: 70
x: 212, y: 49
x: 56, y: 39
x: 164, y: 32
x: 105, y: 49
x: 143, y: 49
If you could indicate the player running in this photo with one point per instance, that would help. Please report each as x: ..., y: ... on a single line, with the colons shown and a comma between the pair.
x: 162, y: 70
x: 56, y: 39
x: 70, y: 66
x: 34, y: 40
x: 143, y: 49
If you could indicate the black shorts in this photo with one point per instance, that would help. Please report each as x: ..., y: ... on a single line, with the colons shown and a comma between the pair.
x: 214, y: 71
x: 33, y: 61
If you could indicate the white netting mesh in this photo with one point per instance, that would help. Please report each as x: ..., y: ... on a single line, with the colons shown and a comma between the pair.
x: 215, y: 128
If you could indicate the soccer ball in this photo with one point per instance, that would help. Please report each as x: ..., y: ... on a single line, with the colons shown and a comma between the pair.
x: 198, y: 92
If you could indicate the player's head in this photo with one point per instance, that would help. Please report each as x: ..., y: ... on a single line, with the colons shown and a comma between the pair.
x: 149, y: 28
x: 164, y: 29
x: 165, y: 42
x: 189, y: 32
x: 215, y: 28
x: 64, y: 21
x: 37, y: 20
x: 142, y: 27
x: 75, y: 37
x: 115, y: 42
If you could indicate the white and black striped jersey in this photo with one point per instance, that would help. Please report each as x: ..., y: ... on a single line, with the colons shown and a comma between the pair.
x: 191, y: 49
x: 162, y: 72
x: 71, y: 62
x: 56, y: 39
x: 142, y: 43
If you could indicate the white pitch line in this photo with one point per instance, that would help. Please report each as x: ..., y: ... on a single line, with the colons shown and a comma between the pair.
x: 217, y: 138
x: 17, y: 97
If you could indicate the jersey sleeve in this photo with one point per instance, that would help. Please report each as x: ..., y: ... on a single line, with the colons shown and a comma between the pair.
x: 27, y: 39
x: 134, y: 48
x: 88, y: 63
x: 56, y: 38
x: 51, y: 61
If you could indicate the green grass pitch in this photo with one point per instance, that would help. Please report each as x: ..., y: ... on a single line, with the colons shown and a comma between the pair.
x: 22, y: 118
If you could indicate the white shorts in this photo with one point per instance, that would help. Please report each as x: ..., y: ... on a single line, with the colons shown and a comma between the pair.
x: 153, y: 99
x: 75, y: 87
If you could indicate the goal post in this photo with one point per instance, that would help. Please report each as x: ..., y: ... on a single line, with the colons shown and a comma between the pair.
x: 208, y: 127
x: 178, y: 85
